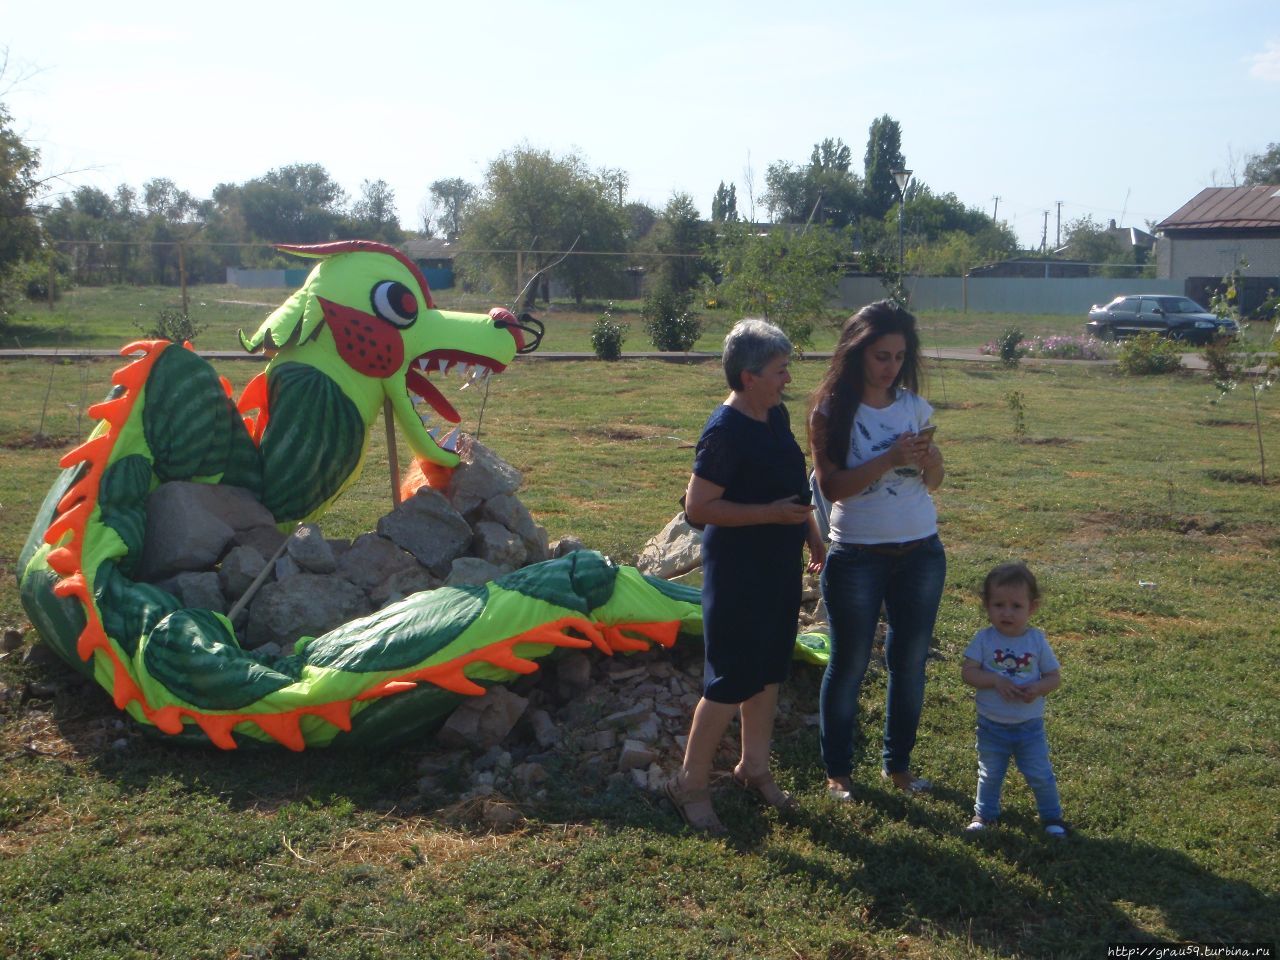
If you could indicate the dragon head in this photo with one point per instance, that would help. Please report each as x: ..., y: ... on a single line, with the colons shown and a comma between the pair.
x: 366, y: 319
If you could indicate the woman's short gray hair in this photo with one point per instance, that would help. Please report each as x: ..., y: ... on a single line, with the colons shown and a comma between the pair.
x: 750, y: 346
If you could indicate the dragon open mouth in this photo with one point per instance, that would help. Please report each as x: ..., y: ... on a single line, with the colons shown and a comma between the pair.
x: 469, y: 366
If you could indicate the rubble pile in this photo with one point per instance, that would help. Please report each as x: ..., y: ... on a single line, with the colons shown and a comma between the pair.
x: 217, y: 548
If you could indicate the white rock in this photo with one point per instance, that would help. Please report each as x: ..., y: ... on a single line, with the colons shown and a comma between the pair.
x: 635, y: 755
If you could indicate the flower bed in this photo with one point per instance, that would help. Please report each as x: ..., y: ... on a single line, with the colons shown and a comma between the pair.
x: 1057, y: 347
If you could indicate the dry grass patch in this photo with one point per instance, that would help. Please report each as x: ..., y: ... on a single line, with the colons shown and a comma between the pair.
x: 416, y: 841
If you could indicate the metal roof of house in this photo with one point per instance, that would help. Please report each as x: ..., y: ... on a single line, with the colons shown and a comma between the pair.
x: 1214, y: 208
x: 433, y: 249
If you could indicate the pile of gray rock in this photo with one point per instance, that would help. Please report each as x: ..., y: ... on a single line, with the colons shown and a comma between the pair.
x: 217, y: 548
x: 620, y: 720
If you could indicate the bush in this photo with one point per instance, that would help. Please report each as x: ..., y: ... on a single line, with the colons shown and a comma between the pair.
x: 171, y: 325
x: 607, y: 335
x: 1222, y: 356
x: 668, y: 320
x: 1269, y: 310
x: 1009, y: 344
x: 1149, y: 353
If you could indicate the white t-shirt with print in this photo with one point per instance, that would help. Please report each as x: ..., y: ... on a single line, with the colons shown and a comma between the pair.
x: 897, y: 507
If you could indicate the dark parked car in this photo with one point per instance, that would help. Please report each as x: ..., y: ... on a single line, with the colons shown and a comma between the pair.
x: 1178, y: 318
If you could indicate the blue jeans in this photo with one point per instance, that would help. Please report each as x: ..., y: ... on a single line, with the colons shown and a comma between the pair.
x: 855, y: 582
x: 1026, y: 743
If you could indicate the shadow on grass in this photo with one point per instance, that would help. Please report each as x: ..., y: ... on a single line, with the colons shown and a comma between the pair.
x: 1012, y: 891
x: 903, y: 859
x: 1239, y: 476
x: 29, y: 333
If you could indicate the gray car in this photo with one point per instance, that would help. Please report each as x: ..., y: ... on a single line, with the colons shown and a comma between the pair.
x: 1178, y: 318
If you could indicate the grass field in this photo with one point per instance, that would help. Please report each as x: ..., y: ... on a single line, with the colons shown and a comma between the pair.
x: 1135, y: 499
x: 107, y: 317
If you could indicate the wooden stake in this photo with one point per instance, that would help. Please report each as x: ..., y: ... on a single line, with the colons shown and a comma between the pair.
x: 182, y: 279
x: 260, y: 578
x: 393, y: 457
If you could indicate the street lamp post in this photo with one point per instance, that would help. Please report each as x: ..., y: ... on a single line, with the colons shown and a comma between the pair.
x: 901, y: 177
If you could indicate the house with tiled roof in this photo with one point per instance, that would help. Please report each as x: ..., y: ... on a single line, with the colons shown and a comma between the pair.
x: 1214, y: 232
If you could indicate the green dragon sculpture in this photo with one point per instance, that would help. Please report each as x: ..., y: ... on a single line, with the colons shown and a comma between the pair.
x: 362, y: 332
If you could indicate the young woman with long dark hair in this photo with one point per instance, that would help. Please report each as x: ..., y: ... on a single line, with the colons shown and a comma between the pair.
x: 876, y: 462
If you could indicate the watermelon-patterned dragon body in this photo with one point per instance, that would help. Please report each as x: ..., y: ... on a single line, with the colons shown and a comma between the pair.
x: 361, y: 333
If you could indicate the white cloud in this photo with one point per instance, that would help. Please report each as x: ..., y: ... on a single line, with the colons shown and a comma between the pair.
x: 1266, y: 65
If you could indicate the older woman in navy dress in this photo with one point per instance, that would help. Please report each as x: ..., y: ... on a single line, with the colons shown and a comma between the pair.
x: 750, y: 488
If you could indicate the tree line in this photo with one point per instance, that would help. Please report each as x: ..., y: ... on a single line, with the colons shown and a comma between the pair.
x: 780, y: 256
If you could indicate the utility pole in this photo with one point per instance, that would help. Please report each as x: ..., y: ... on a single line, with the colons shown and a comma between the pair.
x: 1044, y: 237
x: 996, y: 210
x: 1059, y: 241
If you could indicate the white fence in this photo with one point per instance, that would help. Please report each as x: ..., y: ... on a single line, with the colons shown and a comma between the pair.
x: 1072, y: 295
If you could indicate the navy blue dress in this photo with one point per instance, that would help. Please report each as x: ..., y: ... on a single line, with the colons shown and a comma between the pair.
x: 751, y: 576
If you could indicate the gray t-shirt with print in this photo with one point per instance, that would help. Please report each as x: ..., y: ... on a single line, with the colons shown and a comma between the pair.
x: 1023, y: 660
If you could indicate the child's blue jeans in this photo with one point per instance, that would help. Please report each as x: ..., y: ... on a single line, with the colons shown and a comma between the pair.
x: 1026, y: 744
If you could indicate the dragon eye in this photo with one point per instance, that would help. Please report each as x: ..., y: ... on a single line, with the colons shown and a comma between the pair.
x: 394, y: 302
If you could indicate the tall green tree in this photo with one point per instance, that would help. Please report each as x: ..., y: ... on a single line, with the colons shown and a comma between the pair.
x: 724, y: 205
x: 929, y: 215
x: 299, y: 203
x: 373, y: 215
x: 832, y: 186
x: 1263, y: 168
x: 640, y: 218
x: 82, y: 224
x: 884, y: 155
x: 788, y: 275
x: 954, y: 253
x: 786, y: 192
x: 20, y: 234
x: 449, y: 199
x: 537, y: 205
x: 825, y: 191
x: 678, y: 238
x: 1091, y: 242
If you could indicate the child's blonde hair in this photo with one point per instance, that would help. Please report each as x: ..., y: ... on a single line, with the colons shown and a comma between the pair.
x: 1008, y: 574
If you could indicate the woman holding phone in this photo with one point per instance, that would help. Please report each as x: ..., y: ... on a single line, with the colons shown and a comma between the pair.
x: 750, y: 489
x: 876, y: 462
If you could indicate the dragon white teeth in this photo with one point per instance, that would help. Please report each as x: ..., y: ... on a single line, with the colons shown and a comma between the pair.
x: 450, y: 442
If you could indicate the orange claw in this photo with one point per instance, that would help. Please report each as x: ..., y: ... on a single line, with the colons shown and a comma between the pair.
x: 424, y: 473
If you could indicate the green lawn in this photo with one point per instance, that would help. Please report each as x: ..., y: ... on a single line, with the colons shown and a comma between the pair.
x: 1135, y: 500
x: 107, y: 317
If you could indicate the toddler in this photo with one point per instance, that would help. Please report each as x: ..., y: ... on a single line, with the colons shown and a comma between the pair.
x: 1012, y: 667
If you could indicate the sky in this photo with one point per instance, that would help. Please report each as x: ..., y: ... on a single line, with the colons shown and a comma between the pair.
x: 1107, y: 108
